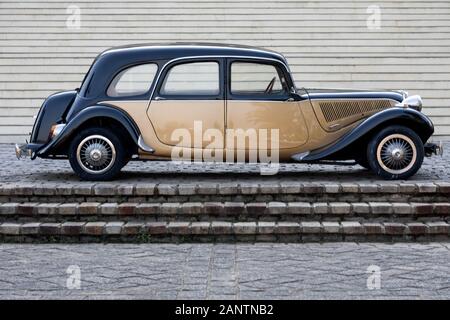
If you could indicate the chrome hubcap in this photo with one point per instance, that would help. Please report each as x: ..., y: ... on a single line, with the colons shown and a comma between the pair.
x: 396, y: 153
x: 96, y: 154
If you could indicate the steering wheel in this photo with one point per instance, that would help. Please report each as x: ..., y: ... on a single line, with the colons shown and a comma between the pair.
x: 270, y: 86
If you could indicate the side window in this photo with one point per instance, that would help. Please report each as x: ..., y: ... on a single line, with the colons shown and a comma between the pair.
x: 192, y: 79
x: 252, y: 78
x: 133, y: 81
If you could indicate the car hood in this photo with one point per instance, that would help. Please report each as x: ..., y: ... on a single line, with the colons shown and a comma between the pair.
x: 316, y: 93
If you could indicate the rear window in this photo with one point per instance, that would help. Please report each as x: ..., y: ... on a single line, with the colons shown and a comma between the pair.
x: 133, y: 81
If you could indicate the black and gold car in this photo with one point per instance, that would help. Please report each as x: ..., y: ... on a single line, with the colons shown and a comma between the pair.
x: 134, y: 98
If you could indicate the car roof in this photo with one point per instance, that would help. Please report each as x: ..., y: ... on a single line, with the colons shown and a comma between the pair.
x: 168, y: 51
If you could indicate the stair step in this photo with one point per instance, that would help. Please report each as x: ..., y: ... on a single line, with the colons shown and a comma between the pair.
x: 169, y: 231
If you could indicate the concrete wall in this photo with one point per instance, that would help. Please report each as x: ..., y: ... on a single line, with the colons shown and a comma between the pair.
x: 328, y: 44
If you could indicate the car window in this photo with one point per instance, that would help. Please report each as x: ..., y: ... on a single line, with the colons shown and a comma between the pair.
x: 192, y: 79
x: 133, y: 81
x: 251, y: 78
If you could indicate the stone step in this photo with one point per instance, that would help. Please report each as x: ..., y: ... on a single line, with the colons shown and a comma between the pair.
x: 235, y: 191
x: 223, y: 231
x: 230, y: 211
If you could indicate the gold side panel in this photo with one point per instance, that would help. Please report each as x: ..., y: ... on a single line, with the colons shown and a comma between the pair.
x: 336, y: 114
x: 285, y: 116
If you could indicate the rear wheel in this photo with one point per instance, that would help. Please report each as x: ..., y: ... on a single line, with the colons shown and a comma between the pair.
x: 97, y: 154
x: 395, y: 153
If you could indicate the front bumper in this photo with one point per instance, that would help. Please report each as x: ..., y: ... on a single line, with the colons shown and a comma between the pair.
x: 27, y: 150
x: 433, y: 149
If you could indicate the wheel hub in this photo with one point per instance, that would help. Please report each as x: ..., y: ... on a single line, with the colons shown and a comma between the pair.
x: 396, y: 153
x: 96, y: 154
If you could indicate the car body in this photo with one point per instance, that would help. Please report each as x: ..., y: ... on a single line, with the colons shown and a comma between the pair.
x: 134, y: 98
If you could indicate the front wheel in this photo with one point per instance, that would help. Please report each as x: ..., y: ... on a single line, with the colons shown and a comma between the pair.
x: 96, y: 154
x: 396, y: 152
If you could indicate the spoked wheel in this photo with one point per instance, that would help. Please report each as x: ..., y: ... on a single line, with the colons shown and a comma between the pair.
x: 395, y: 153
x: 97, y: 154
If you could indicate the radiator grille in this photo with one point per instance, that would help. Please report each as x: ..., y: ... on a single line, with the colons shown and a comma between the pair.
x: 336, y: 110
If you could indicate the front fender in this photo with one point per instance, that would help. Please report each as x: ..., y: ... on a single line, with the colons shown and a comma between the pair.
x: 419, y: 123
x: 86, y: 114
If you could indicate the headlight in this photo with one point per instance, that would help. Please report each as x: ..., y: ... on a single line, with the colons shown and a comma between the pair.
x: 414, y: 102
x: 56, y: 129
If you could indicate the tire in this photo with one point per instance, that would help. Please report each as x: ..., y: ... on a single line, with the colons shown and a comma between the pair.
x: 396, y: 152
x: 91, y: 144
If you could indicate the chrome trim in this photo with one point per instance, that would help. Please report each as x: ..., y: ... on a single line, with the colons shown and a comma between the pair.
x: 96, y: 154
x: 299, y: 156
x: 414, y: 102
x: 22, y: 151
x: 144, y: 146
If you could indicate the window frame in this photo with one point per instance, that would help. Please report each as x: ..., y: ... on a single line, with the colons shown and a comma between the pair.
x: 140, y: 96
x: 264, y: 97
x: 219, y: 96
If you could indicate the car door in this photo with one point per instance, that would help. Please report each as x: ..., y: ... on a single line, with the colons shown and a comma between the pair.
x: 189, y: 97
x: 258, y: 98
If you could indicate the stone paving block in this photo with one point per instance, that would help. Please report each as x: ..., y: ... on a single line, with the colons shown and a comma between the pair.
x: 192, y: 208
x: 373, y: 228
x: 360, y: 208
x: 332, y: 188
x: 331, y: 227
x: 157, y: 228
x: 147, y: 208
x: 72, y: 228
x: 145, y: 189
x: 313, y: 188
x: 125, y: 189
x: 109, y: 208
x: 132, y: 228
x: 82, y: 189
x: 417, y: 228
x: 23, y: 189
x: 290, y: 187
x: 166, y: 189
x: 352, y: 227
x: 47, y: 208
x: 88, y: 208
x: 426, y: 187
x: 9, y: 208
x: 221, y: 227
x: 228, y: 188
x: 401, y: 208
x: 441, y: 208
x: 44, y: 190
x: 50, y: 228
x: 349, y: 188
x: 234, y: 208
x: 200, y: 227
x: 266, y: 227
x: 299, y: 208
x: 27, y: 208
x: 207, y: 188
x: 113, y: 228
x: 94, y: 228
x: 256, y: 208
x: 170, y: 208
x: 245, y: 228
x: 380, y: 207
x: 388, y: 188
x: 9, y: 228
x: 394, y: 228
x: 320, y: 208
x: 105, y: 189
x: 213, y: 208
x: 249, y: 188
x: 311, y: 227
x: 408, y: 188
x: 269, y: 188
x: 340, y: 208
x: 368, y: 187
x: 31, y: 228
x: 68, y: 209
x: 443, y: 187
x: 438, y: 227
x: 276, y: 208
x: 422, y: 208
x: 64, y: 189
x: 187, y: 189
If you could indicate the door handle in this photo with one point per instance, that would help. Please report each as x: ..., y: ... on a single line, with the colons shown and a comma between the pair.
x: 159, y: 98
x: 289, y: 99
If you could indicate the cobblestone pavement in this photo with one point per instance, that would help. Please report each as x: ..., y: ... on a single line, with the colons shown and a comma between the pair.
x: 59, y: 171
x: 225, y: 271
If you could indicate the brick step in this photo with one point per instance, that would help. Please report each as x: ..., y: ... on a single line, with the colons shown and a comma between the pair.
x: 230, y: 211
x: 223, y: 231
x: 235, y: 191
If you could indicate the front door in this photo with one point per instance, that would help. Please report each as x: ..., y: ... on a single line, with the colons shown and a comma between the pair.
x: 258, y: 98
x: 189, y: 98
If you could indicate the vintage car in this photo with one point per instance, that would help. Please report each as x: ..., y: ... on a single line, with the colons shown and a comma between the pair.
x: 133, y: 98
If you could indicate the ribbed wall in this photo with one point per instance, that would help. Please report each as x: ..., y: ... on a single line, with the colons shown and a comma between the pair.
x: 327, y: 43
